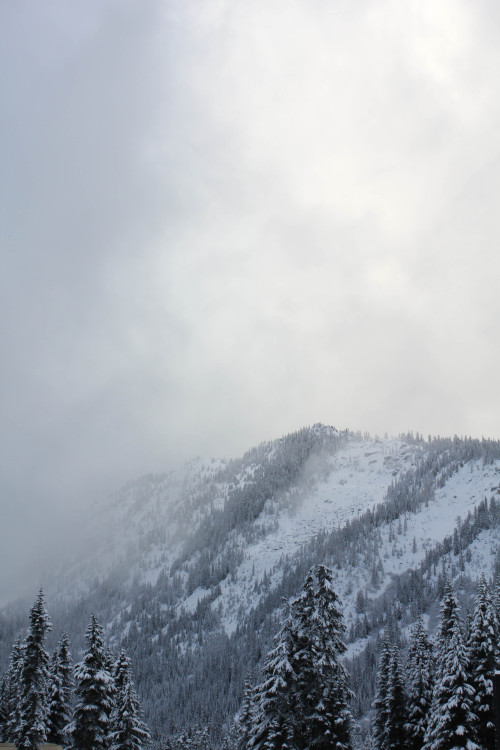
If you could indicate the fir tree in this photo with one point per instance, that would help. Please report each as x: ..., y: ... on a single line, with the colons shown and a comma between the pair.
x: 232, y: 739
x: 33, y: 704
x: 121, y: 671
x: 274, y: 697
x: 246, y: 716
x: 4, y: 707
x: 420, y: 684
x: 379, y: 724
x: 13, y: 692
x: 449, y: 616
x: 482, y: 642
x: 128, y: 731
x: 91, y: 722
x: 453, y: 720
x: 60, y: 693
x: 302, y: 701
x: 322, y: 679
x: 396, y: 737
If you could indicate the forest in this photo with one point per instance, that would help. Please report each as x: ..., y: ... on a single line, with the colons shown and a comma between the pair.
x: 441, y: 698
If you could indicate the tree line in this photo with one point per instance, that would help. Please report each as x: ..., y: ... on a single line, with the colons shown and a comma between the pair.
x: 441, y: 699
x: 91, y: 707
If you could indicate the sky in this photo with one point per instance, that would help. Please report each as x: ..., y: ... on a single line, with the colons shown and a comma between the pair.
x: 223, y: 220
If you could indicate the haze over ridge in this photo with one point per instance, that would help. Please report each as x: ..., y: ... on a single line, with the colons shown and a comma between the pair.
x: 222, y: 221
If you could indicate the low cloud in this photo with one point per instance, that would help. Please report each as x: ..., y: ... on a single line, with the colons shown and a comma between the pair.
x: 222, y: 221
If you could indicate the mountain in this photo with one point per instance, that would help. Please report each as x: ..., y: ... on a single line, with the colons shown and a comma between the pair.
x: 187, y: 570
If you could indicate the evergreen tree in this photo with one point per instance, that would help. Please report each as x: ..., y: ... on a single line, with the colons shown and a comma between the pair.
x: 60, y: 693
x: 33, y: 703
x: 201, y: 739
x: 302, y: 701
x: 379, y: 724
x: 482, y: 642
x: 13, y: 692
x: 121, y: 670
x: 396, y: 737
x: 128, y: 731
x: 91, y: 723
x: 232, y: 738
x: 4, y: 707
x: 453, y: 720
x: 275, y: 696
x: 322, y: 679
x: 420, y: 684
x: 246, y: 716
x: 449, y: 616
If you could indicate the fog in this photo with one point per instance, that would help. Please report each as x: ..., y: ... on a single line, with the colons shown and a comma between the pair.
x: 222, y: 221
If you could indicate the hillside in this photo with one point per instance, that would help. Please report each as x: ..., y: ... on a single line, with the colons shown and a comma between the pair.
x: 187, y: 570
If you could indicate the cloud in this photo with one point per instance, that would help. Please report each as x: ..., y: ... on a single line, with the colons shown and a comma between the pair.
x: 222, y: 221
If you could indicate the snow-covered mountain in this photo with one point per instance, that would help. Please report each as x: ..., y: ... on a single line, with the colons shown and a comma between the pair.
x: 188, y: 569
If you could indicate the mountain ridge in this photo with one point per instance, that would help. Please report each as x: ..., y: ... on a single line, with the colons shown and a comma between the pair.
x: 191, y: 566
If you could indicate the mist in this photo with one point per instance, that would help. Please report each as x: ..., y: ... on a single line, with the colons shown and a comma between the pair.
x: 223, y: 221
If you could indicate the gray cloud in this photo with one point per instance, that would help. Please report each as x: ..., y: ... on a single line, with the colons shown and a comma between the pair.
x: 221, y: 221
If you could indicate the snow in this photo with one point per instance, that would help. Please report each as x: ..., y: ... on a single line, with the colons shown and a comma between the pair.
x: 357, y: 480
x: 190, y: 604
x: 333, y: 491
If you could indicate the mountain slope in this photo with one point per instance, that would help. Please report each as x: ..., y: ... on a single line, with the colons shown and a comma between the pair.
x: 188, y: 570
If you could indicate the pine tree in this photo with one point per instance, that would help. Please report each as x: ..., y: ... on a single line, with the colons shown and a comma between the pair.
x: 322, y: 679
x: 4, y: 707
x: 33, y: 704
x: 13, y: 691
x: 60, y: 693
x: 449, y: 616
x: 274, y: 697
x: 128, y: 731
x: 232, y: 738
x: 302, y: 701
x: 482, y: 642
x: 396, y: 737
x: 420, y: 683
x: 121, y: 671
x: 379, y: 724
x: 91, y: 722
x: 201, y: 739
x: 246, y: 716
x: 453, y: 720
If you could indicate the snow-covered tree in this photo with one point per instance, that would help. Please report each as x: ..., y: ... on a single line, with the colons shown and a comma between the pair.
x: 91, y: 722
x: 482, y: 641
x: 128, y: 731
x: 121, y: 671
x: 232, y: 738
x: 379, y: 724
x: 302, y: 700
x: 4, y: 706
x: 246, y: 716
x: 12, y: 692
x: 420, y: 684
x: 60, y: 693
x: 396, y: 737
x: 453, y: 719
x: 33, y: 699
x: 275, y: 696
x: 322, y: 679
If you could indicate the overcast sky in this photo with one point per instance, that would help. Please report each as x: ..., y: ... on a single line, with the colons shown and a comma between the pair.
x: 222, y: 220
